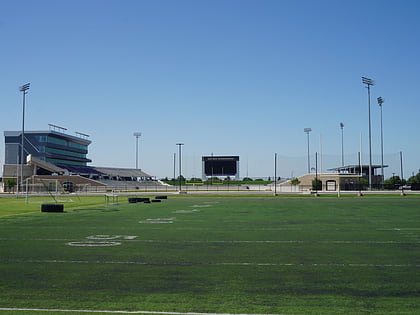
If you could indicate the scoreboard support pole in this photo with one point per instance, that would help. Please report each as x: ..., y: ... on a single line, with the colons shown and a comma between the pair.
x: 237, y: 170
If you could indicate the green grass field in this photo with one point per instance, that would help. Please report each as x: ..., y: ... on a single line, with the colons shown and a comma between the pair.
x: 223, y: 255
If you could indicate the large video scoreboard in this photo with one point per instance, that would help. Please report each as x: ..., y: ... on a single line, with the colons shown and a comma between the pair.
x: 220, y: 166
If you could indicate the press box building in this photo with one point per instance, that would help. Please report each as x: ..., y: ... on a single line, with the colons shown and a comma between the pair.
x: 54, y: 153
x: 50, y: 146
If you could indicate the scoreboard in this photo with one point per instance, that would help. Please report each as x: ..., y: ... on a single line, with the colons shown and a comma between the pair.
x: 220, y: 166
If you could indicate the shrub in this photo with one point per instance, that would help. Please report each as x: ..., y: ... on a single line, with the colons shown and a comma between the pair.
x: 316, y: 184
x: 295, y: 181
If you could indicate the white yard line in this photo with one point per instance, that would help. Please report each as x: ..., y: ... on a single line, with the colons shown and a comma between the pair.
x: 39, y: 261
x: 14, y: 214
x: 280, y: 242
x: 116, y: 312
x: 221, y: 241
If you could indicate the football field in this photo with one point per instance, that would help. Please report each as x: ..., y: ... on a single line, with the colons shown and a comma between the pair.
x: 212, y: 255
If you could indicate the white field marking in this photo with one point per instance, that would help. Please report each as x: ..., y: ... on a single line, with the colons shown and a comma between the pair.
x: 284, y: 229
x: 201, y: 206
x: 116, y: 312
x: 229, y: 229
x: 203, y: 264
x: 278, y: 242
x: 93, y: 243
x: 111, y: 237
x: 34, y: 239
x: 187, y: 211
x: 159, y: 220
x: 322, y: 265
x: 409, y: 234
x: 10, y: 215
x: 103, y: 237
x: 415, y: 241
x: 399, y: 229
x: 156, y: 222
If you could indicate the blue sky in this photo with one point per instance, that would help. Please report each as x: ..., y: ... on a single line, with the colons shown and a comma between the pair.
x: 232, y: 77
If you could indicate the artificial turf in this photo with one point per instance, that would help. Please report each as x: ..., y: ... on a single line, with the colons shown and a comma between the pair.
x: 247, y: 255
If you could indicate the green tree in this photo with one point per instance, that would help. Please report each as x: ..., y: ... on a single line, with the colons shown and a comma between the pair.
x: 414, y: 179
x: 295, y: 181
x: 316, y: 184
x: 393, y: 182
x: 10, y: 184
x: 364, y: 183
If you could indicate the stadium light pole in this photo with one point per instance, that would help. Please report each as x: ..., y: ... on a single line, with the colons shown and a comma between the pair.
x: 308, y: 130
x: 402, y: 174
x: 275, y: 174
x: 174, y: 167
x: 180, y: 164
x: 137, y: 135
x: 316, y: 174
x: 368, y: 83
x: 24, y: 89
x: 342, y: 143
x: 380, y: 102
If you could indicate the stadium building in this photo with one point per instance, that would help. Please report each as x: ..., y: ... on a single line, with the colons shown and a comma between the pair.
x: 351, y: 177
x: 54, y: 154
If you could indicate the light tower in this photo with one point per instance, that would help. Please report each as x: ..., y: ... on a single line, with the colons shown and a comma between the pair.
x: 24, y: 89
x: 368, y: 83
x: 342, y: 143
x: 380, y: 102
x: 180, y: 165
x: 307, y: 131
x: 137, y: 135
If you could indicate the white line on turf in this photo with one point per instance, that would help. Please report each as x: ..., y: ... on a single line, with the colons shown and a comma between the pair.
x: 93, y: 243
x: 116, y: 312
x: 204, y: 263
x: 283, y: 242
x: 131, y: 239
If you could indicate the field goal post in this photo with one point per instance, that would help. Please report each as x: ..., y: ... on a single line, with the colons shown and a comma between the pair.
x: 50, y: 187
x: 111, y: 199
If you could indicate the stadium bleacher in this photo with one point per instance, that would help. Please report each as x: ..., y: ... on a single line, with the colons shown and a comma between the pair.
x: 79, y: 170
x: 113, y: 177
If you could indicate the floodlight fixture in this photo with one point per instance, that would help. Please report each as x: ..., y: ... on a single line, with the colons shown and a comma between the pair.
x: 368, y: 83
x: 24, y: 87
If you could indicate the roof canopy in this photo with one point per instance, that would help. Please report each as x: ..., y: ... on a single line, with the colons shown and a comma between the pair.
x: 355, y: 169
